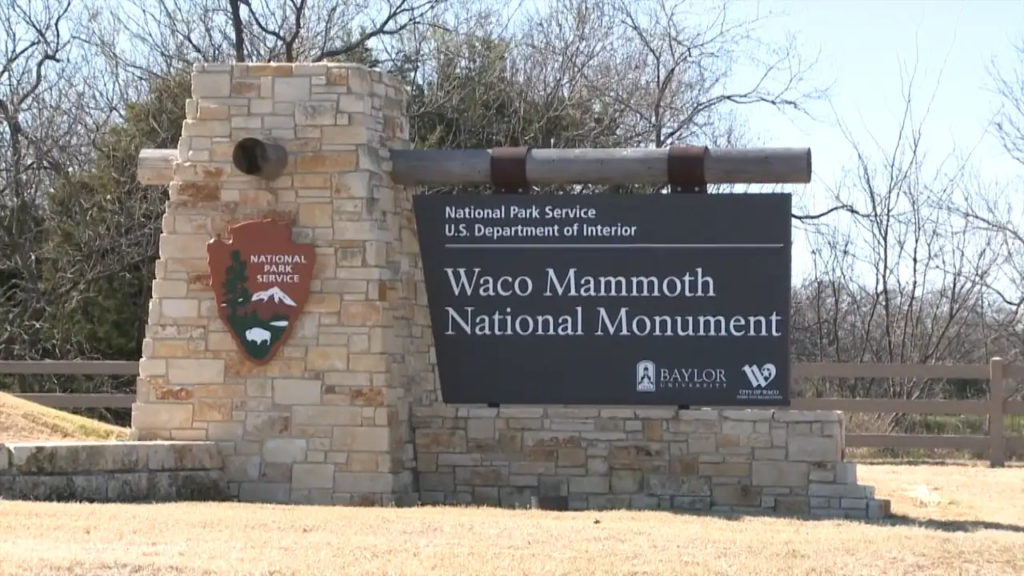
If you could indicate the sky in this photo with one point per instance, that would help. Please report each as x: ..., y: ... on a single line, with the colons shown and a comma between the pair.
x: 864, y: 50
x: 863, y: 47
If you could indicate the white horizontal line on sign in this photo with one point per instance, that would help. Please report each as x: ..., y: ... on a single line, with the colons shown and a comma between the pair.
x: 614, y: 245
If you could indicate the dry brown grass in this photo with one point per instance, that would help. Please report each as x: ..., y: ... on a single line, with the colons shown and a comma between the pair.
x: 23, y: 421
x: 977, y: 527
x: 966, y: 492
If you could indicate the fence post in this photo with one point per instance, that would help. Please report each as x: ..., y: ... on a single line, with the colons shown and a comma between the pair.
x: 996, y: 418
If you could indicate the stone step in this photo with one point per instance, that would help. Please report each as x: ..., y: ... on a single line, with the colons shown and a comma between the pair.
x: 840, y: 490
x: 112, y: 471
x: 879, y: 509
x: 54, y: 458
x: 150, y: 486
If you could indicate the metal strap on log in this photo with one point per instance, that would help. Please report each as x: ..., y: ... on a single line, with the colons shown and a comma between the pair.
x: 508, y: 169
x: 686, y: 169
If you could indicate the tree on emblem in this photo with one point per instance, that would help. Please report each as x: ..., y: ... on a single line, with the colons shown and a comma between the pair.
x: 236, y: 293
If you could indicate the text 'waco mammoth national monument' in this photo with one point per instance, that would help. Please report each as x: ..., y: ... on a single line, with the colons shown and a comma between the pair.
x: 346, y: 340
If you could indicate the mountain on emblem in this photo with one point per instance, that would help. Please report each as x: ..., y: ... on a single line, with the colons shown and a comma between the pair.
x: 261, y: 282
x: 276, y: 293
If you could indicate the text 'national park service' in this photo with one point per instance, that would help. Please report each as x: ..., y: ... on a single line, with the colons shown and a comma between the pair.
x: 530, y: 222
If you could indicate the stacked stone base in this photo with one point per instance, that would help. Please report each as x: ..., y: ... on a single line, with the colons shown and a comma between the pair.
x: 741, y: 461
x: 112, y: 472
x: 746, y: 461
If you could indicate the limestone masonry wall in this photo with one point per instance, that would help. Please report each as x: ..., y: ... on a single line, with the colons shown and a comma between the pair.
x: 786, y: 462
x: 349, y: 411
x: 326, y: 420
x: 112, y: 471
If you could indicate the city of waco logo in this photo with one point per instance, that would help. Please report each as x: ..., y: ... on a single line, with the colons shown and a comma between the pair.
x: 261, y: 282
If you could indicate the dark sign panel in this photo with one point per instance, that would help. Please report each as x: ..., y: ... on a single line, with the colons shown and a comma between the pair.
x: 635, y: 299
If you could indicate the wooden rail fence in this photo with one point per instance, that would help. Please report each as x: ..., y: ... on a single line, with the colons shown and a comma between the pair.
x: 74, y: 368
x: 1000, y: 375
x: 1000, y: 404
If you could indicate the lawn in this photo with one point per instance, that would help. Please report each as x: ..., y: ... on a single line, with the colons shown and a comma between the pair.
x: 950, y: 520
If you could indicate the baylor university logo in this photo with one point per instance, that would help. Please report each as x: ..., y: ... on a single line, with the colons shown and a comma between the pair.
x: 261, y: 282
x: 645, y: 371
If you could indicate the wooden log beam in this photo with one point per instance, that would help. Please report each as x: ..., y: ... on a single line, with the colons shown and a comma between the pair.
x: 552, y: 166
x: 156, y: 166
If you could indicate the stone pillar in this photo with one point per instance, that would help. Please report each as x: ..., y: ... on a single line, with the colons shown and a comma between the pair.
x: 327, y: 420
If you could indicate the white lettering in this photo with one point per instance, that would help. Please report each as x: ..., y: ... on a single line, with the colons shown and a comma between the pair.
x: 277, y: 278
x: 713, y: 321
x: 468, y: 212
x: 672, y: 286
x: 613, y: 329
x: 682, y: 377
x: 631, y: 286
x: 621, y: 323
x: 457, y: 287
x: 488, y: 285
x: 277, y: 259
x: 574, y: 212
x: 504, y: 323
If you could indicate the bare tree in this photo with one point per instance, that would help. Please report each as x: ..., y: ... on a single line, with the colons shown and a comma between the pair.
x: 1009, y: 122
x: 899, y: 278
x: 33, y: 41
x: 160, y: 36
x: 672, y: 71
x: 999, y: 216
x: 65, y: 231
x: 592, y: 73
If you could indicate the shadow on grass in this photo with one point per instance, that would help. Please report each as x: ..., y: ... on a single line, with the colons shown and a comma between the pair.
x: 948, y: 525
x: 894, y: 520
x: 929, y: 462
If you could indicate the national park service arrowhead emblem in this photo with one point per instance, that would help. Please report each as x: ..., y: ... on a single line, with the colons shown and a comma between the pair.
x: 261, y: 282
